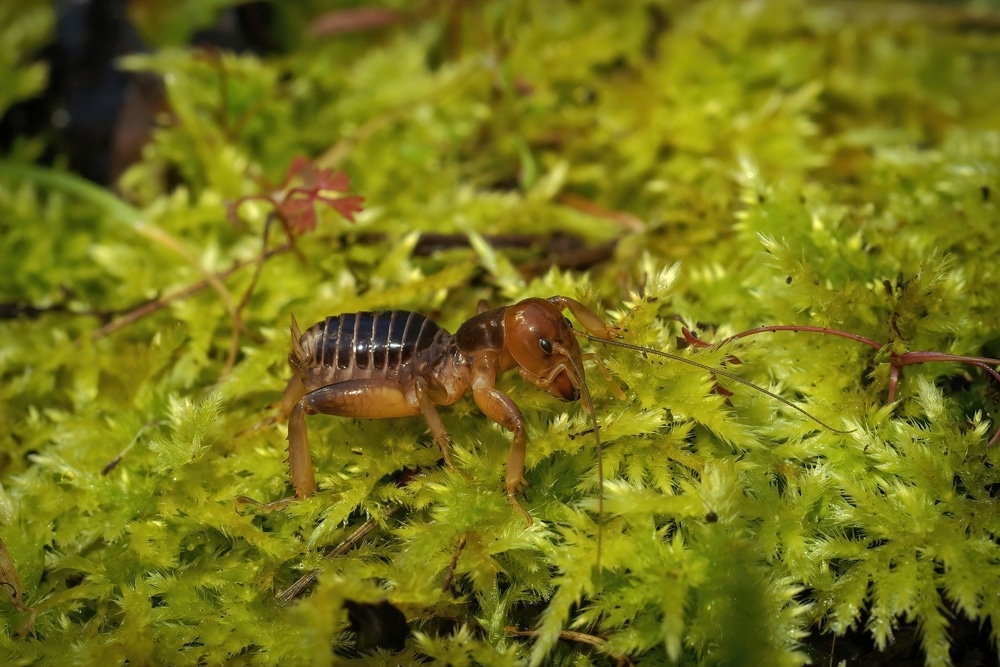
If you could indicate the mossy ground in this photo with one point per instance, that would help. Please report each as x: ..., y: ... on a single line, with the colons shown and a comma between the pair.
x: 728, y: 164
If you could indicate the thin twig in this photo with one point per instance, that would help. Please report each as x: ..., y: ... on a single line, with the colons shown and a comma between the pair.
x: 306, y: 581
x: 113, y: 463
x: 234, y: 341
x: 10, y: 584
x: 120, y: 211
x: 450, y: 574
x: 565, y: 635
x: 154, y: 305
x: 572, y: 636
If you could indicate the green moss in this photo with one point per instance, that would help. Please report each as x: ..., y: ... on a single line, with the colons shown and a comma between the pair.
x: 779, y: 162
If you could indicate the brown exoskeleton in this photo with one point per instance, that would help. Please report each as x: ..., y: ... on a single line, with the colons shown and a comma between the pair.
x: 374, y: 365
x: 399, y: 364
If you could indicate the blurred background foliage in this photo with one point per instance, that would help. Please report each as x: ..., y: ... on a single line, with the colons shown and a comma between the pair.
x: 717, y: 164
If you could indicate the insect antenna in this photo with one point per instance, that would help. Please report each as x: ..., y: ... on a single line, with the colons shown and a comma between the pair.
x: 717, y: 371
x: 588, y: 405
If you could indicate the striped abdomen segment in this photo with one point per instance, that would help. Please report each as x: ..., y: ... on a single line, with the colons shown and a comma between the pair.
x: 356, y: 345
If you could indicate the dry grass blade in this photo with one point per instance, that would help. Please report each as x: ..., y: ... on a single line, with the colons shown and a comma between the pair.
x: 10, y: 582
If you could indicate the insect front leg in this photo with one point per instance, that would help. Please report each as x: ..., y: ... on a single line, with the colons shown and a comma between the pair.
x: 499, y: 407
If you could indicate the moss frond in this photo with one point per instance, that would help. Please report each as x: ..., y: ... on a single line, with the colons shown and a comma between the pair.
x: 688, y: 171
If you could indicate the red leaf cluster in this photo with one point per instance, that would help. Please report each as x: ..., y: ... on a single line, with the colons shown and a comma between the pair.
x: 298, y: 205
x: 305, y: 185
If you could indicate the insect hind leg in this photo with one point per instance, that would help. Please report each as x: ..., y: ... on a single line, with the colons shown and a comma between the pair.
x: 362, y: 399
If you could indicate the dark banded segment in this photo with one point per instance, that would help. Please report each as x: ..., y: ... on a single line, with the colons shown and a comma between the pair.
x: 327, y: 343
x: 377, y: 341
x: 382, y: 328
x: 343, y: 338
x: 364, y: 329
x: 395, y: 342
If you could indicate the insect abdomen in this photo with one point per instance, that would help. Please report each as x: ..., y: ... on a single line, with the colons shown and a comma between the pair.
x: 366, y: 344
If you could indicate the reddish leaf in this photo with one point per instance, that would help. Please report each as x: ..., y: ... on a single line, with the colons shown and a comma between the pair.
x: 302, y: 167
x: 313, y: 178
x: 333, y: 180
x: 299, y: 214
x: 295, y: 204
x: 345, y: 206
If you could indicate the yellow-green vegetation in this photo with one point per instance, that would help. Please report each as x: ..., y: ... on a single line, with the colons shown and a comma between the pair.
x: 832, y: 164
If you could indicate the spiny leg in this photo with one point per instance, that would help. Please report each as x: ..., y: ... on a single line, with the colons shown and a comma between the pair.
x: 362, y: 399
x: 299, y: 464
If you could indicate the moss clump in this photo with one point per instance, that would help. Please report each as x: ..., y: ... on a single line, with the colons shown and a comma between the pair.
x: 733, y: 164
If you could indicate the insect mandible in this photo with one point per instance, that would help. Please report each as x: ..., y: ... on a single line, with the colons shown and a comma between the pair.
x: 387, y: 364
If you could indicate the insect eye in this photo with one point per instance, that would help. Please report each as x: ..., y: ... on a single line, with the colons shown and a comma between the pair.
x: 546, y: 345
x: 568, y: 323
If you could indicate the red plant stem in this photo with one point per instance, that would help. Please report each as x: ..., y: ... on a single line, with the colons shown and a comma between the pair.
x: 896, y: 360
x: 810, y: 329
